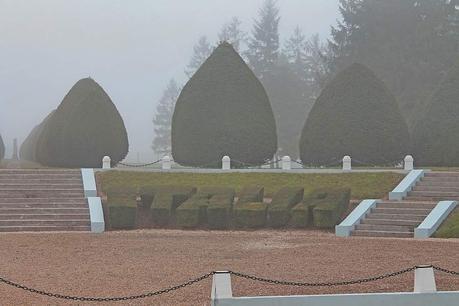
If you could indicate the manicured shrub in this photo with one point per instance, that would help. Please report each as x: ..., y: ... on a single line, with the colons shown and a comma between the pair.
x: 2, y: 148
x: 329, y: 206
x: 121, y: 205
x: 300, y: 215
x: 223, y: 110
x: 84, y: 128
x: 436, y: 135
x: 219, y: 211
x: 283, y: 201
x: 29, y: 146
x: 251, y: 194
x: 355, y: 115
x: 167, y: 200
x: 193, y: 212
x: 250, y: 215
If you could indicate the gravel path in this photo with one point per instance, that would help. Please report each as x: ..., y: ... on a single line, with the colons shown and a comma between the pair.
x: 132, y: 262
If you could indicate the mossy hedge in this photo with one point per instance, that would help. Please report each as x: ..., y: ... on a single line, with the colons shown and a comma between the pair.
x: 355, y: 115
x: 193, y: 212
x: 321, y: 208
x: 282, y: 202
x: 251, y: 194
x: 121, y: 206
x: 84, y: 128
x: 2, y: 148
x: 166, y: 201
x: 250, y: 215
x: 29, y: 146
x: 436, y: 135
x: 223, y: 110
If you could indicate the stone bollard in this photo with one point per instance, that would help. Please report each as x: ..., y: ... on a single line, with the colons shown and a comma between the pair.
x: 424, y: 279
x: 166, y: 162
x: 106, y: 162
x: 226, y: 163
x: 286, y: 163
x: 347, y: 163
x: 409, y: 163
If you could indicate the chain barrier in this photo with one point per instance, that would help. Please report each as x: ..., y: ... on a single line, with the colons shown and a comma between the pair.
x: 332, y: 163
x: 250, y: 166
x: 140, y: 165
x: 205, y: 276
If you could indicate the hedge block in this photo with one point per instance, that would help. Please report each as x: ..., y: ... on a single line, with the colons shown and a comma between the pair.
x: 120, y: 202
x: 167, y: 200
x: 251, y: 194
x: 219, y: 211
x: 193, y: 212
x: 250, y: 215
x: 328, y: 206
x: 279, y: 210
x: 300, y: 215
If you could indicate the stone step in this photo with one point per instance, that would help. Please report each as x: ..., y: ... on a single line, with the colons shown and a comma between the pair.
x: 439, y: 188
x: 385, y: 227
x: 432, y: 198
x: 433, y: 194
x: 435, y: 183
x: 37, y: 222
x: 407, y: 204
x: 40, y: 181
x: 384, y: 216
x: 441, y: 174
x: 47, y: 228
x: 45, y: 211
x: 39, y: 171
x: 39, y: 176
x: 402, y: 211
x: 44, y: 217
x: 412, y: 223
x: 49, y: 200
x: 394, y: 234
x: 44, y: 205
x: 44, y: 186
x: 64, y: 193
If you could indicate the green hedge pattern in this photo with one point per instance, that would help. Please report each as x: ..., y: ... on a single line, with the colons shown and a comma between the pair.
x: 279, y: 210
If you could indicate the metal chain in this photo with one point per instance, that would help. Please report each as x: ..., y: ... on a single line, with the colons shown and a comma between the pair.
x: 106, y: 299
x: 323, y: 284
x: 445, y: 270
x: 140, y: 165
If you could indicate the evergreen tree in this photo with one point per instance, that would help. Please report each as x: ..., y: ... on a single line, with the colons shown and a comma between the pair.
x: 201, y: 52
x: 231, y: 32
x: 263, y: 47
x: 408, y: 43
x: 295, y: 51
x: 317, y: 65
x: 2, y: 148
x: 163, y: 118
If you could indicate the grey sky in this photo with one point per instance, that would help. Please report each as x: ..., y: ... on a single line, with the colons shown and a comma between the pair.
x: 132, y: 48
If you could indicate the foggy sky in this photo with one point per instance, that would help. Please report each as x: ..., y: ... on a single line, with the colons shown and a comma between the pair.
x: 131, y: 48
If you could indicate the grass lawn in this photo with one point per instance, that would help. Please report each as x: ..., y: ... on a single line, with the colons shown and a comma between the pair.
x: 363, y: 185
x: 449, y: 228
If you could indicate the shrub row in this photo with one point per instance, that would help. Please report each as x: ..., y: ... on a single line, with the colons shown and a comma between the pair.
x: 187, y: 207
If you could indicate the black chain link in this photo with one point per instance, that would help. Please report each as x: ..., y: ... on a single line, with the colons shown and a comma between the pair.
x: 140, y: 165
x: 323, y: 284
x: 106, y: 299
x: 205, y: 276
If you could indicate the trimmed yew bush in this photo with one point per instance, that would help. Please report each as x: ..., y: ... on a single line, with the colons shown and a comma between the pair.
x: 2, y: 148
x: 167, y: 200
x: 121, y: 205
x: 223, y: 110
x: 283, y: 201
x: 250, y: 215
x: 84, y: 128
x: 355, y: 115
x: 436, y: 135
x: 251, y: 194
x: 29, y: 146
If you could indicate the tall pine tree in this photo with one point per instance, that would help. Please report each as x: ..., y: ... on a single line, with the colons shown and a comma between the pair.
x: 201, y: 51
x: 163, y: 118
x: 263, y: 46
x: 231, y: 32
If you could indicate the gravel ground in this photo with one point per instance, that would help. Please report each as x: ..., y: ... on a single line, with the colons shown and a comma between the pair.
x: 133, y: 262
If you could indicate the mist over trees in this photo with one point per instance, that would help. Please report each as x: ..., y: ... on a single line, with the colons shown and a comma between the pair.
x: 2, y: 148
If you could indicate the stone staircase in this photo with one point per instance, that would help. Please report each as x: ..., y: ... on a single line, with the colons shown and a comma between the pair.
x: 42, y: 200
x: 400, y: 218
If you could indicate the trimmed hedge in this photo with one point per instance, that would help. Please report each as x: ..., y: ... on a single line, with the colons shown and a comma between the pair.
x: 223, y: 110
x: 279, y: 209
x: 166, y: 201
x: 84, y: 128
x: 321, y: 208
x: 122, y: 207
x: 219, y: 211
x: 193, y: 212
x: 2, y: 148
x: 251, y: 194
x: 355, y: 115
x: 250, y: 215
x: 29, y: 146
x: 436, y: 135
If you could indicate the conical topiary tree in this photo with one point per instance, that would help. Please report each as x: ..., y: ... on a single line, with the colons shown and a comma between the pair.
x: 2, y: 148
x: 355, y: 115
x: 84, y: 128
x: 223, y: 110
x: 29, y: 146
x: 436, y: 135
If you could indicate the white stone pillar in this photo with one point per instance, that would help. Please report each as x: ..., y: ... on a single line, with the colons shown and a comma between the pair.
x: 286, y: 163
x: 106, y: 162
x: 347, y: 163
x: 221, y: 287
x: 226, y: 163
x: 166, y: 162
x: 408, y: 163
x: 424, y: 280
